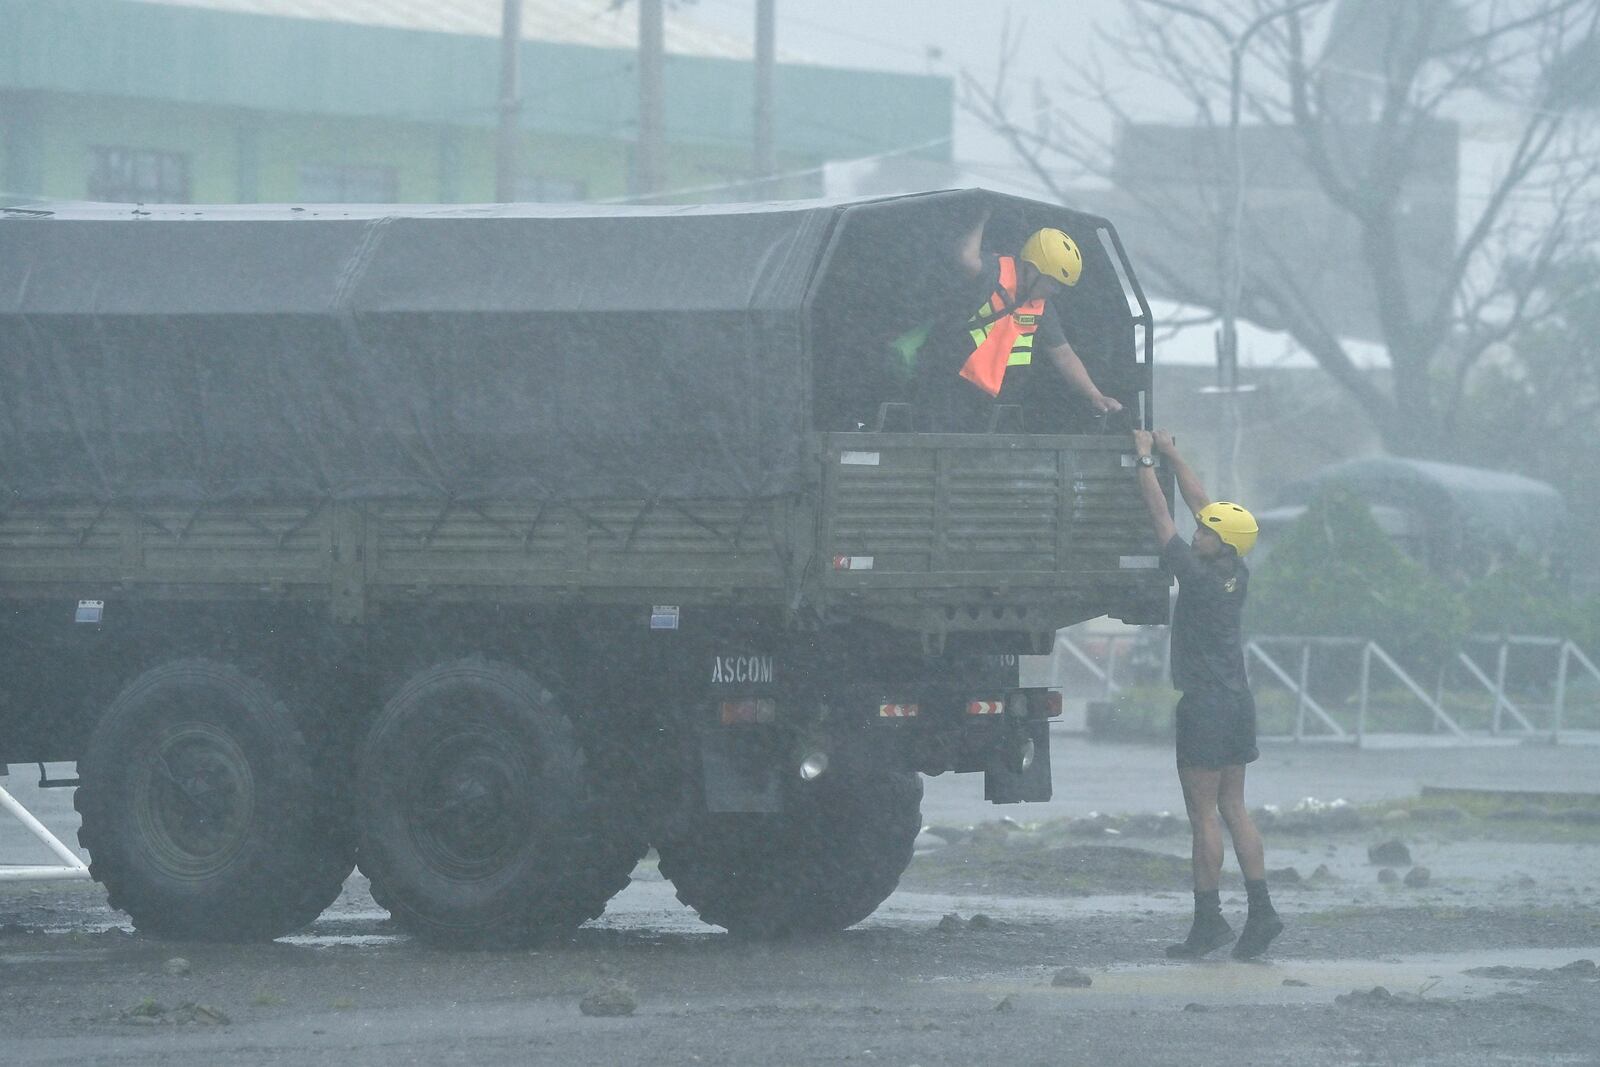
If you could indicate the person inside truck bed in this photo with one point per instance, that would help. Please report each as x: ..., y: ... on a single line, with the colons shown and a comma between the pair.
x: 984, y: 353
x: 1216, y: 715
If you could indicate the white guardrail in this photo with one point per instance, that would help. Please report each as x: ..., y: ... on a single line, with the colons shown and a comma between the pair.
x: 71, y: 868
x: 1288, y: 661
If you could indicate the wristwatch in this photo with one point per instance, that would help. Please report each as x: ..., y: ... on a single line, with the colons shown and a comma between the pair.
x: 1147, y: 461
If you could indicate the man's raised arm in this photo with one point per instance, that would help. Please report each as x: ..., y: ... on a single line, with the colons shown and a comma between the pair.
x: 970, y: 252
x: 1194, y: 494
x: 1155, y: 501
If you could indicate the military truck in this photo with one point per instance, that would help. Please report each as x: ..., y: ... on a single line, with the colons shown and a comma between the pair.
x: 486, y: 548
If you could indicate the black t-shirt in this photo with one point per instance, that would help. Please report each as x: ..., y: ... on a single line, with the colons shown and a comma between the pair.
x: 957, y: 404
x: 1207, y: 622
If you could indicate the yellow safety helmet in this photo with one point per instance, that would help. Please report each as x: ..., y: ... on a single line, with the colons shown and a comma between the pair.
x: 1055, y: 255
x: 1233, y: 524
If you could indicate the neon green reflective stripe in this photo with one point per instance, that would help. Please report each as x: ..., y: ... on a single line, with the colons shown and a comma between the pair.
x: 1021, y: 351
x: 981, y: 333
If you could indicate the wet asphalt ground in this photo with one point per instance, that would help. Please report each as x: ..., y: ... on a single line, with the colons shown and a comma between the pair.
x: 1482, y: 965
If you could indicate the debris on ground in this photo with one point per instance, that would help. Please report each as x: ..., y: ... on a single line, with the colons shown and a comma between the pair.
x: 1296, y: 983
x: 1193, y: 1007
x: 1093, y: 825
x: 1582, y: 969
x: 1007, y: 1005
x: 1390, y: 853
x: 1379, y: 997
x: 1417, y: 877
x: 177, y: 966
x: 1388, y: 876
x: 980, y: 921
x: 611, y: 998
x: 1071, y: 978
x: 952, y: 924
x: 151, y: 1013
x: 951, y: 834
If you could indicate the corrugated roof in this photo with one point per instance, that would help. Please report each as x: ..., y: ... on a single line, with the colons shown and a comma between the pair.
x: 596, y: 23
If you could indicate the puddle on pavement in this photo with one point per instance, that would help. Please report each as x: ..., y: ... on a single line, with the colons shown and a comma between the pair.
x: 1226, y: 983
x: 342, y: 940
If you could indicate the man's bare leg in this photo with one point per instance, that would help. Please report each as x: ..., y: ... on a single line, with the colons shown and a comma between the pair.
x: 1209, y: 931
x: 1246, y: 838
x: 1262, y: 924
x: 1200, y: 788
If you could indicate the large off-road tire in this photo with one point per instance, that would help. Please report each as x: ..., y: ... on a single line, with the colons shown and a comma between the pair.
x: 823, y: 865
x: 479, y: 823
x: 201, y: 812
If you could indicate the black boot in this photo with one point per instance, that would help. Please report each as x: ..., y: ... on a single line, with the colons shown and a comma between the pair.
x: 1210, y: 930
x: 1261, y: 925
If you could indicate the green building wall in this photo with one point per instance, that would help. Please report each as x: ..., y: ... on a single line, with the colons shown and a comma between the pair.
x: 249, y: 100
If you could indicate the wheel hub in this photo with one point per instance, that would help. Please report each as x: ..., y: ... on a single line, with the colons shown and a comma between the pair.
x: 468, y: 812
x: 194, y: 799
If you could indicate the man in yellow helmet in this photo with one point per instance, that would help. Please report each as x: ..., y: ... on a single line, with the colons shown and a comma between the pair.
x: 1010, y: 314
x: 1216, y: 716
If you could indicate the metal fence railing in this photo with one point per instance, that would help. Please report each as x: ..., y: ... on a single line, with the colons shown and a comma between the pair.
x: 1496, y: 685
x: 70, y: 868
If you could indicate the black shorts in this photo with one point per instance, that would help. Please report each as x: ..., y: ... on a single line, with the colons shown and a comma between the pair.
x: 1216, y: 729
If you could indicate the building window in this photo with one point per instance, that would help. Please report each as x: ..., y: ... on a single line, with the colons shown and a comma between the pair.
x: 138, y: 176
x: 333, y: 183
x: 547, y: 189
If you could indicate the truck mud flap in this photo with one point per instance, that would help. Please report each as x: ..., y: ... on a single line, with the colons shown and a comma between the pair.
x: 1004, y: 783
x: 739, y: 774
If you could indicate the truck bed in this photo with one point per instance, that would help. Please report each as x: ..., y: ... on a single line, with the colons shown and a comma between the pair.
x: 943, y: 532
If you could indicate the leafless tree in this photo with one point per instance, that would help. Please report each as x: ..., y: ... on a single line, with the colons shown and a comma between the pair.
x: 1361, y: 84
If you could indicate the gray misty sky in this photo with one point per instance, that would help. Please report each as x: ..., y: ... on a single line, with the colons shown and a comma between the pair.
x: 950, y: 36
x: 939, y: 36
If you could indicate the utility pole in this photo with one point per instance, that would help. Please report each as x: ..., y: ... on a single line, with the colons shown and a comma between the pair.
x: 652, y: 110
x: 505, y: 158
x: 1228, y: 387
x: 765, y: 165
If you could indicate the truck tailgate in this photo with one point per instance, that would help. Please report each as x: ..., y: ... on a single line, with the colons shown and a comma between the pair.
x: 963, y: 518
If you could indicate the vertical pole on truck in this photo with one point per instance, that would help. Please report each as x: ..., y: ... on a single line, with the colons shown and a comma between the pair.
x: 652, y: 106
x: 764, y: 164
x: 505, y: 158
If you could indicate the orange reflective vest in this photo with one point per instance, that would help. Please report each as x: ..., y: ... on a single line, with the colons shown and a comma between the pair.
x: 1002, y: 333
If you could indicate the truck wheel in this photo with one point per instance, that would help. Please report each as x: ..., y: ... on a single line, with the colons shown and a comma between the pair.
x: 478, y: 826
x: 201, y: 812
x: 825, y: 864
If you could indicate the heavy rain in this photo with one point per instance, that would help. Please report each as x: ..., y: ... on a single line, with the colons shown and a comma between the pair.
x: 760, y: 531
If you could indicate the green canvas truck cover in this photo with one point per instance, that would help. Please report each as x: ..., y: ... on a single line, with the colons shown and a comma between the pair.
x: 200, y: 354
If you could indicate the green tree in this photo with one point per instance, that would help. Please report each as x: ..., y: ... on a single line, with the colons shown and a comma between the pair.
x: 1534, y: 404
x: 1336, y: 573
x: 1523, y: 597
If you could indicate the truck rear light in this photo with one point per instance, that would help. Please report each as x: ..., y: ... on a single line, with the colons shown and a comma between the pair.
x: 899, y: 711
x: 1052, y: 704
x: 986, y: 707
x: 759, y: 709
